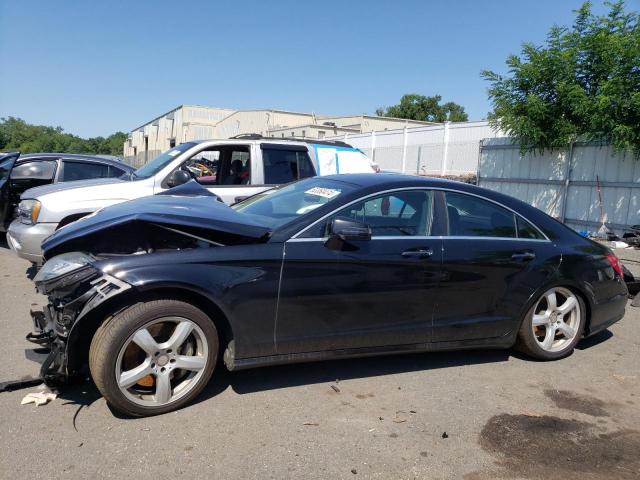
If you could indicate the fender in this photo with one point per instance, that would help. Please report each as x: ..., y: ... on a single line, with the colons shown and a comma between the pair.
x: 246, y: 295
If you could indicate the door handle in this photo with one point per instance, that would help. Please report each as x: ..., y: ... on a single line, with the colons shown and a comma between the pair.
x: 524, y: 256
x: 418, y: 253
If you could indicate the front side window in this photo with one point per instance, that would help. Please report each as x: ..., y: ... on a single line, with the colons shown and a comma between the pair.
x: 470, y: 216
x: 236, y: 166
x: 204, y: 165
x: 403, y: 213
x: 284, y: 166
x: 83, y: 170
x: 38, y: 170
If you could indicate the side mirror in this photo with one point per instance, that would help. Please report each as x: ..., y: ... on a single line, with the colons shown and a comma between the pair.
x: 346, y: 229
x: 178, y: 177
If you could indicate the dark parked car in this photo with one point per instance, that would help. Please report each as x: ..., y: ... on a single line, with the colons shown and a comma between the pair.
x: 150, y: 292
x: 19, y: 173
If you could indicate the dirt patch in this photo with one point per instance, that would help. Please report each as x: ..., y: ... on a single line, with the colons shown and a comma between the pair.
x: 577, y: 403
x: 552, y: 447
x: 363, y: 396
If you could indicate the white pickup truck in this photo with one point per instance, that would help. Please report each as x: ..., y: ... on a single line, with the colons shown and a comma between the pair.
x: 232, y: 169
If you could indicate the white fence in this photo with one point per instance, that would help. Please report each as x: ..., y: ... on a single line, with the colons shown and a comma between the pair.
x: 448, y: 149
x: 564, y: 184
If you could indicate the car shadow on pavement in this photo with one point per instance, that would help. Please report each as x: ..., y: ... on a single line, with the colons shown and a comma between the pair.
x: 31, y: 271
x: 276, y: 377
x: 594, y: 340
x: 271, y: 378
x: 3, y: 241
x: 84, y: 393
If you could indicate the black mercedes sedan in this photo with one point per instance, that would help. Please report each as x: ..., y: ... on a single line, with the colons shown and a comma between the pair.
x: 150, y: 295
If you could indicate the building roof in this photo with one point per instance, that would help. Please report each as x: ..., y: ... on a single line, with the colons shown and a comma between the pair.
x: 315, y: 125
x: 318, y: 118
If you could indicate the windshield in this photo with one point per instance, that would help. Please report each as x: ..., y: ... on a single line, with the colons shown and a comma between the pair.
x: 161, y: 161
x: 276, y: 207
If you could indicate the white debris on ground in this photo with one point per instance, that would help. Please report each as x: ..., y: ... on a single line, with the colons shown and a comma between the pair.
x: 39, y: 398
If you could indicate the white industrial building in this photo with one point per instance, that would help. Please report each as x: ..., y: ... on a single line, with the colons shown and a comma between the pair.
x: 194, y: 122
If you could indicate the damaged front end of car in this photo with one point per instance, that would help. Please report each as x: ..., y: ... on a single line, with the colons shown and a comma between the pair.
x: 72, y: 293
x: 87, y: 263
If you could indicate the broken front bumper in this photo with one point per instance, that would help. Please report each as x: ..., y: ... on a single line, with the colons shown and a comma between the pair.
x: 71, y: 299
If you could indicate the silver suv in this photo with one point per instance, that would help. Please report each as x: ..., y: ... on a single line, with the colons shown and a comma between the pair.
x: 232, y: 169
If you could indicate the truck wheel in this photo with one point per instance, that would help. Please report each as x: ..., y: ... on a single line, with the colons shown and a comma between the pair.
x: 153, y: 357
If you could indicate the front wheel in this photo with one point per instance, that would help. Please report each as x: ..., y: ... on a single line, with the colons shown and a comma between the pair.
x: 153, y: 357
x: 553, y: 326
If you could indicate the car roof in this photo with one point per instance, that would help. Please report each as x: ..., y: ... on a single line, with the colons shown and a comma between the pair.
x: 389, y: 181
x: 78, y: 156
x: 251, y: 138
x: 393, y: 180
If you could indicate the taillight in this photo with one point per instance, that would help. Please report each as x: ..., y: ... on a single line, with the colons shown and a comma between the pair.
x: 615, y: 264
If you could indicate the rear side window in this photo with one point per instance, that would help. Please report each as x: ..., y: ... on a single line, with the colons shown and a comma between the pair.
x: 284, y: 166
x: 470, y: 216
x: 38, y: 170
x: 83, y: 170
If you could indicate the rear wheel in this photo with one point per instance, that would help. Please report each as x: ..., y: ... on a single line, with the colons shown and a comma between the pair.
x: 153, y: 357
x: 553, y: 326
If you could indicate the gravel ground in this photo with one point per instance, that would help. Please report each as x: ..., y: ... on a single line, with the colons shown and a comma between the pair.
x: 472, y: 415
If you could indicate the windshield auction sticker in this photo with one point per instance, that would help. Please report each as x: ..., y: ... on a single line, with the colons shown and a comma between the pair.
x: 323, y: 192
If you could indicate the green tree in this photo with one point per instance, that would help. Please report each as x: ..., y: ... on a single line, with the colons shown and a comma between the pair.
x: 584, y: 83
x: 428, y: 109
x: 16, y: 134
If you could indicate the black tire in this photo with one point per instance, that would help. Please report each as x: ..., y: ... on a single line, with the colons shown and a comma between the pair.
x: 110, y: 337
x: 527, y: 343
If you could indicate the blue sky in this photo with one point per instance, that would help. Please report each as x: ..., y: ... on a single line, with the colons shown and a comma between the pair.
x: 94, y: 67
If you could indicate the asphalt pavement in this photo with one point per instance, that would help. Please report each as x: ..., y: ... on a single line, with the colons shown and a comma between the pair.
x: 472, y: 415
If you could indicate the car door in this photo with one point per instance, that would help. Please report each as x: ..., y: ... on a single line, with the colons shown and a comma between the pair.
x: 360, y: 294
x: 27, y: 174
x: 493, y: 260
x: 227, y: 170
x: 6, y: 164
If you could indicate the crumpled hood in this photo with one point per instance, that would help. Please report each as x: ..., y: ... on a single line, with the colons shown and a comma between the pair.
x: 203, y: 213
x: 88, y: 187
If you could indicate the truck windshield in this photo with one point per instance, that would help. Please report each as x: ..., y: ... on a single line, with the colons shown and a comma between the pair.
x: 161, y: 161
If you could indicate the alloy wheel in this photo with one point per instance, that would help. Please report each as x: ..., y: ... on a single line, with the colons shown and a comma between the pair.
x: 556, y: 319
x: 162, y: 361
